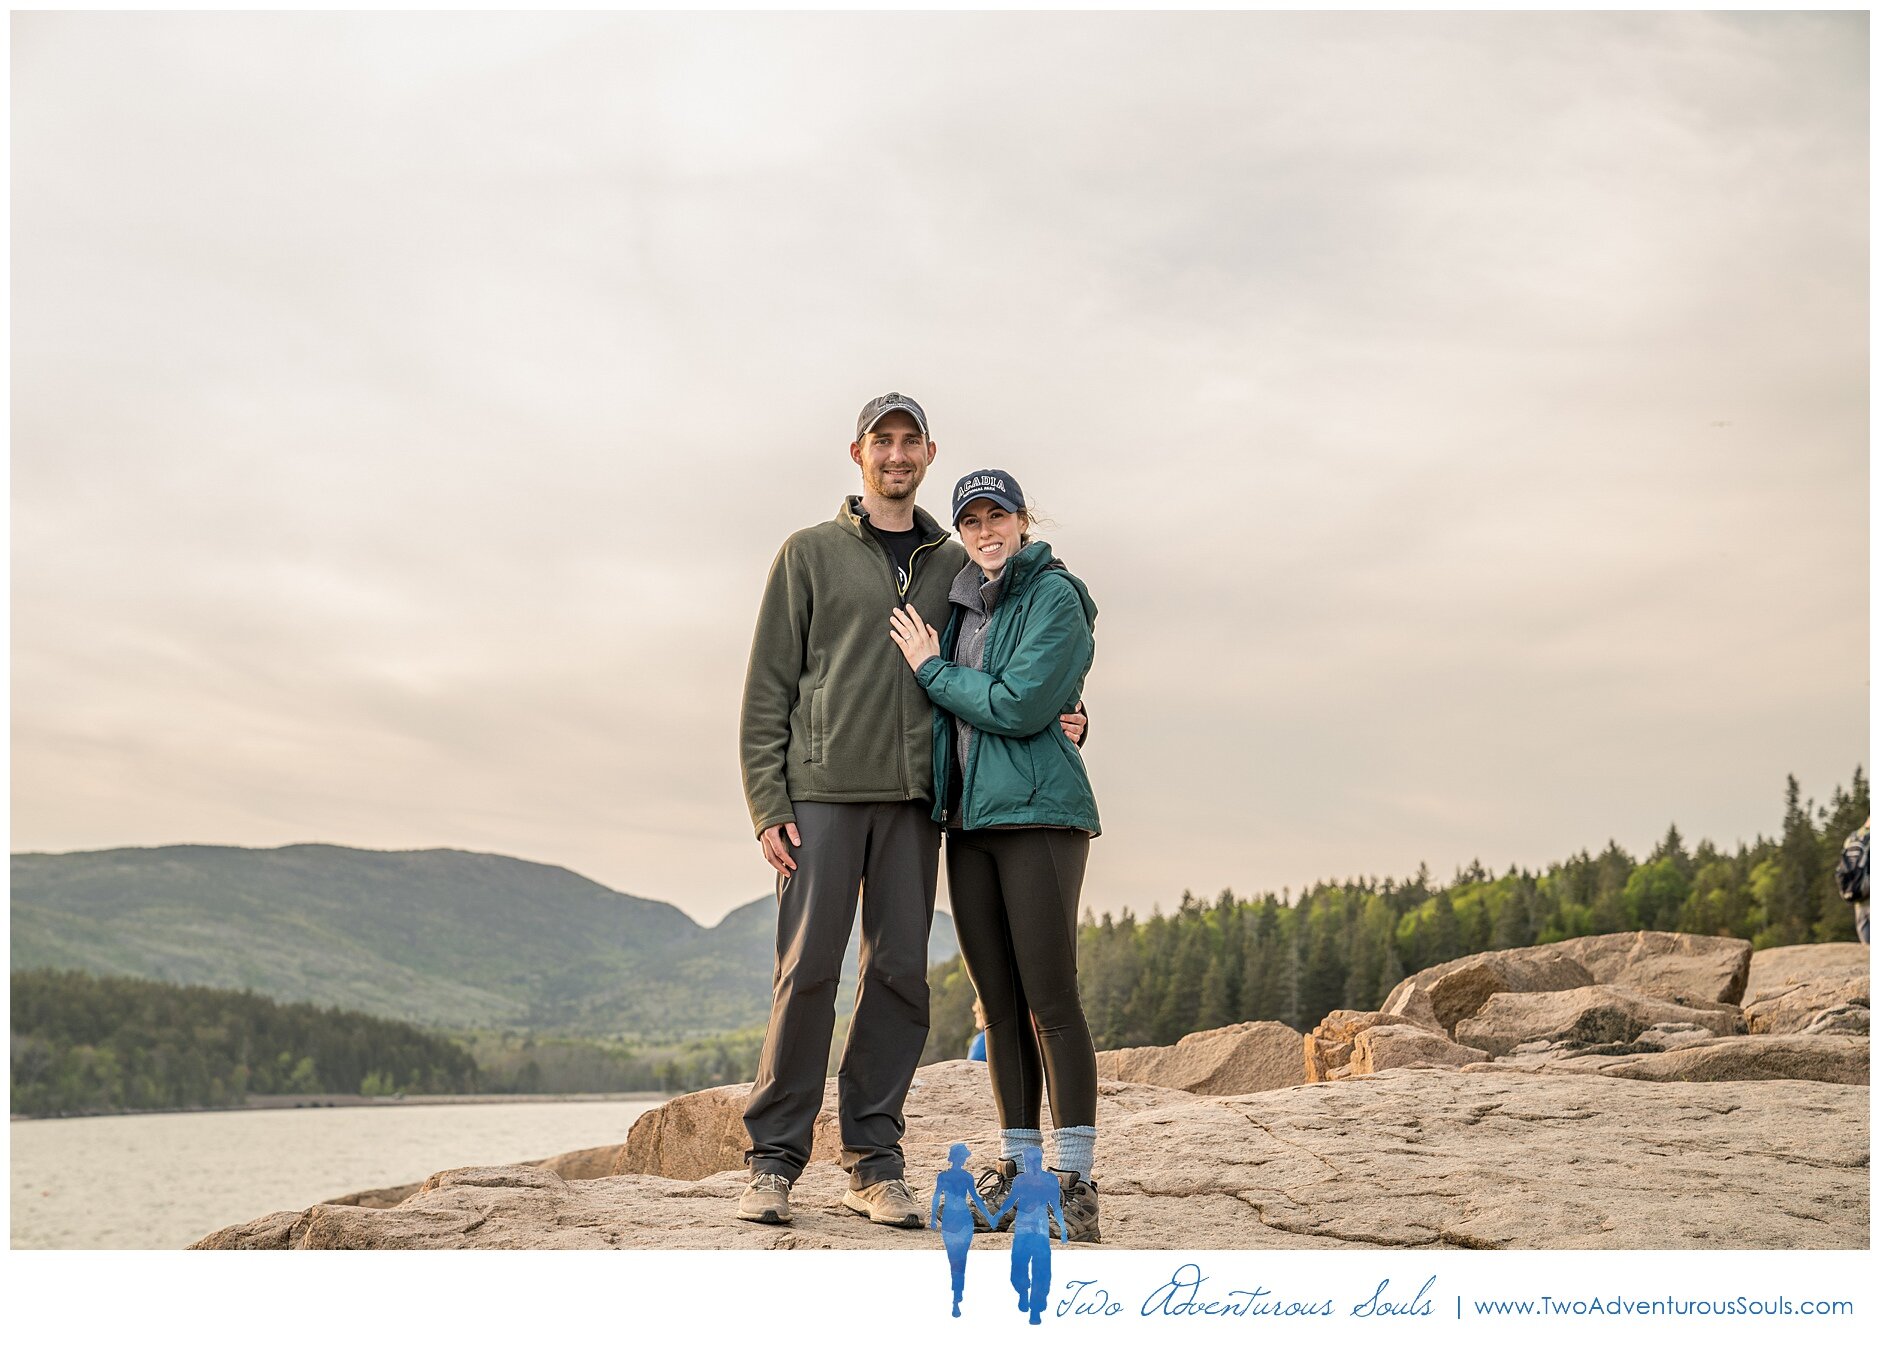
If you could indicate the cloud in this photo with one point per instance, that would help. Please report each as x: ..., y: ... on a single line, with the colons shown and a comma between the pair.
x: 1460, y: 419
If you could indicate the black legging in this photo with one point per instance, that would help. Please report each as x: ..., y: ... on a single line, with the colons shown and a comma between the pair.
x: 1014, y: 896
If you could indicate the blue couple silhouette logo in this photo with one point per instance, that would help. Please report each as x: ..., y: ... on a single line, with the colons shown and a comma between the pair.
x: 1035, y: 1199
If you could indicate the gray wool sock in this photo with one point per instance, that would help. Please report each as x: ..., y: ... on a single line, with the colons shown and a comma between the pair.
x: 1074, y: 1149
x: 1014, y: 1141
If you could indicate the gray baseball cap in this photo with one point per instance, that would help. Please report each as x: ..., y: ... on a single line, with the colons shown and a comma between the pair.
x: 889, y: 401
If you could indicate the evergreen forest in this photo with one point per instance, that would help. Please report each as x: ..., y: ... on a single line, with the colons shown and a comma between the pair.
x: 82, y: 1042
x: 1345, y: 945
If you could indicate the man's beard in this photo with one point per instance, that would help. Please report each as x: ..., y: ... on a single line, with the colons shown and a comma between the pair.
x: 889, y: 491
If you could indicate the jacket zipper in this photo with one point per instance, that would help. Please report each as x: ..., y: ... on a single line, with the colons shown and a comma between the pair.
x: 900, y: 693
x: 985, y: 662
x: 914, y: 557
x: 985, y: 655
x: 913, y: 560
x: 944, y: 780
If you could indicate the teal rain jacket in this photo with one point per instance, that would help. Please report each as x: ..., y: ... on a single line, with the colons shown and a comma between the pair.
x: 1021, y: 769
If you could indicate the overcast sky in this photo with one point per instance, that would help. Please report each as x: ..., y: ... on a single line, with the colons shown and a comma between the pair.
x: 1460, y: 421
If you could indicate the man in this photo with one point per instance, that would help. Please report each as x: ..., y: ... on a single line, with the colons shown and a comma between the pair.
x: 1037, y: 1197
x: 836, y: 746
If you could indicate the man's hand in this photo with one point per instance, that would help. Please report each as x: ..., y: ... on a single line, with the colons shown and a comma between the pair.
x: 776, y: 853
x: 1073, y: 724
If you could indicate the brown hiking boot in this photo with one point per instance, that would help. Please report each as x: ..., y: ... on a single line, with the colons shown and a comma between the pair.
x: 1080, y: 1208
x: 994, y: 1184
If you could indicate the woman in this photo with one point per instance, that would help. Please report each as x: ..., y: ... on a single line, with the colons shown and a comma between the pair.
x: 956, y: 1206
x: 1019, y: 815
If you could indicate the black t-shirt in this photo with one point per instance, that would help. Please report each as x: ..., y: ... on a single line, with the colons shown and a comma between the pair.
x: 900, y: 544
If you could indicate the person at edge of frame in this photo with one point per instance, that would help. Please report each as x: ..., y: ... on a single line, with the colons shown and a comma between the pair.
x: 835, y: 746
x: 1851, y: 877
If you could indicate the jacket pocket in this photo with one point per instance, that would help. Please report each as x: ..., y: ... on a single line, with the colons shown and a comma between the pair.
x: 816, y: 726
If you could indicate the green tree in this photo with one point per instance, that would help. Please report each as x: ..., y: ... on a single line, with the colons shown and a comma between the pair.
x: 1655, y: 893
x: 1843, y: 816
x: 1323, y: 986
x: 1217, y: 1005
x: 1795, y: 903
x: 304, y: 1080
x: 1446, y: 934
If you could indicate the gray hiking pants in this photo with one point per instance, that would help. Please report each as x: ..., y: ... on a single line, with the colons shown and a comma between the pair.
x: 890, y: 854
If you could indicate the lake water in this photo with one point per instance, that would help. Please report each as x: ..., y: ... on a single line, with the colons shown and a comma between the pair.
x: 166, y: 1180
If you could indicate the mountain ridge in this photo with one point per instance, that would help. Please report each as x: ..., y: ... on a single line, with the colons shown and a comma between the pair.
x: 439, y: 936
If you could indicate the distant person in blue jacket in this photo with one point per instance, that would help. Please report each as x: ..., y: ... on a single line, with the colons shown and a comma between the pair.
x: 977, y: 1053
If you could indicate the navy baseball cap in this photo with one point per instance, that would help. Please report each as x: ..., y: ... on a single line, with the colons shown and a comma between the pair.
x: 889, y: 401
x: 1001, y: 488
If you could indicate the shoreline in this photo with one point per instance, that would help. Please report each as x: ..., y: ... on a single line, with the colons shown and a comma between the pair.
x: 337, y: 1101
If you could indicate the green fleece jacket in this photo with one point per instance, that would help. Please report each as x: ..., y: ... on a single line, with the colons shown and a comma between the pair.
x: 832, y: 713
